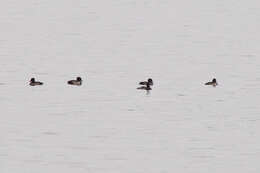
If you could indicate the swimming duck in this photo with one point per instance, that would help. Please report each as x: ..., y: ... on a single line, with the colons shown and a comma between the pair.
x: 34, y: 83
x: 147, y: 87
x: 78, y: 81
x: 149, y: 81
x: 213, y: 82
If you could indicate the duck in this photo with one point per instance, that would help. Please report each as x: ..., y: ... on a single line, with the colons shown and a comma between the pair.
x: 77, y: 82
x: 213, y: 82
x: 34, y: 83
x: 149, y: 81
x: 147, y: 87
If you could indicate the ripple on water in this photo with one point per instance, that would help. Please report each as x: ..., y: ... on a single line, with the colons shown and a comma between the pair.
x: 50, y: 133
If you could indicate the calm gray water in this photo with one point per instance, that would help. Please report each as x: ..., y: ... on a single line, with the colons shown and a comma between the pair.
x: 106, y: 125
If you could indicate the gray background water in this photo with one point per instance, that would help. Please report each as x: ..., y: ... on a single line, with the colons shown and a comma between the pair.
x: 107, y: 125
